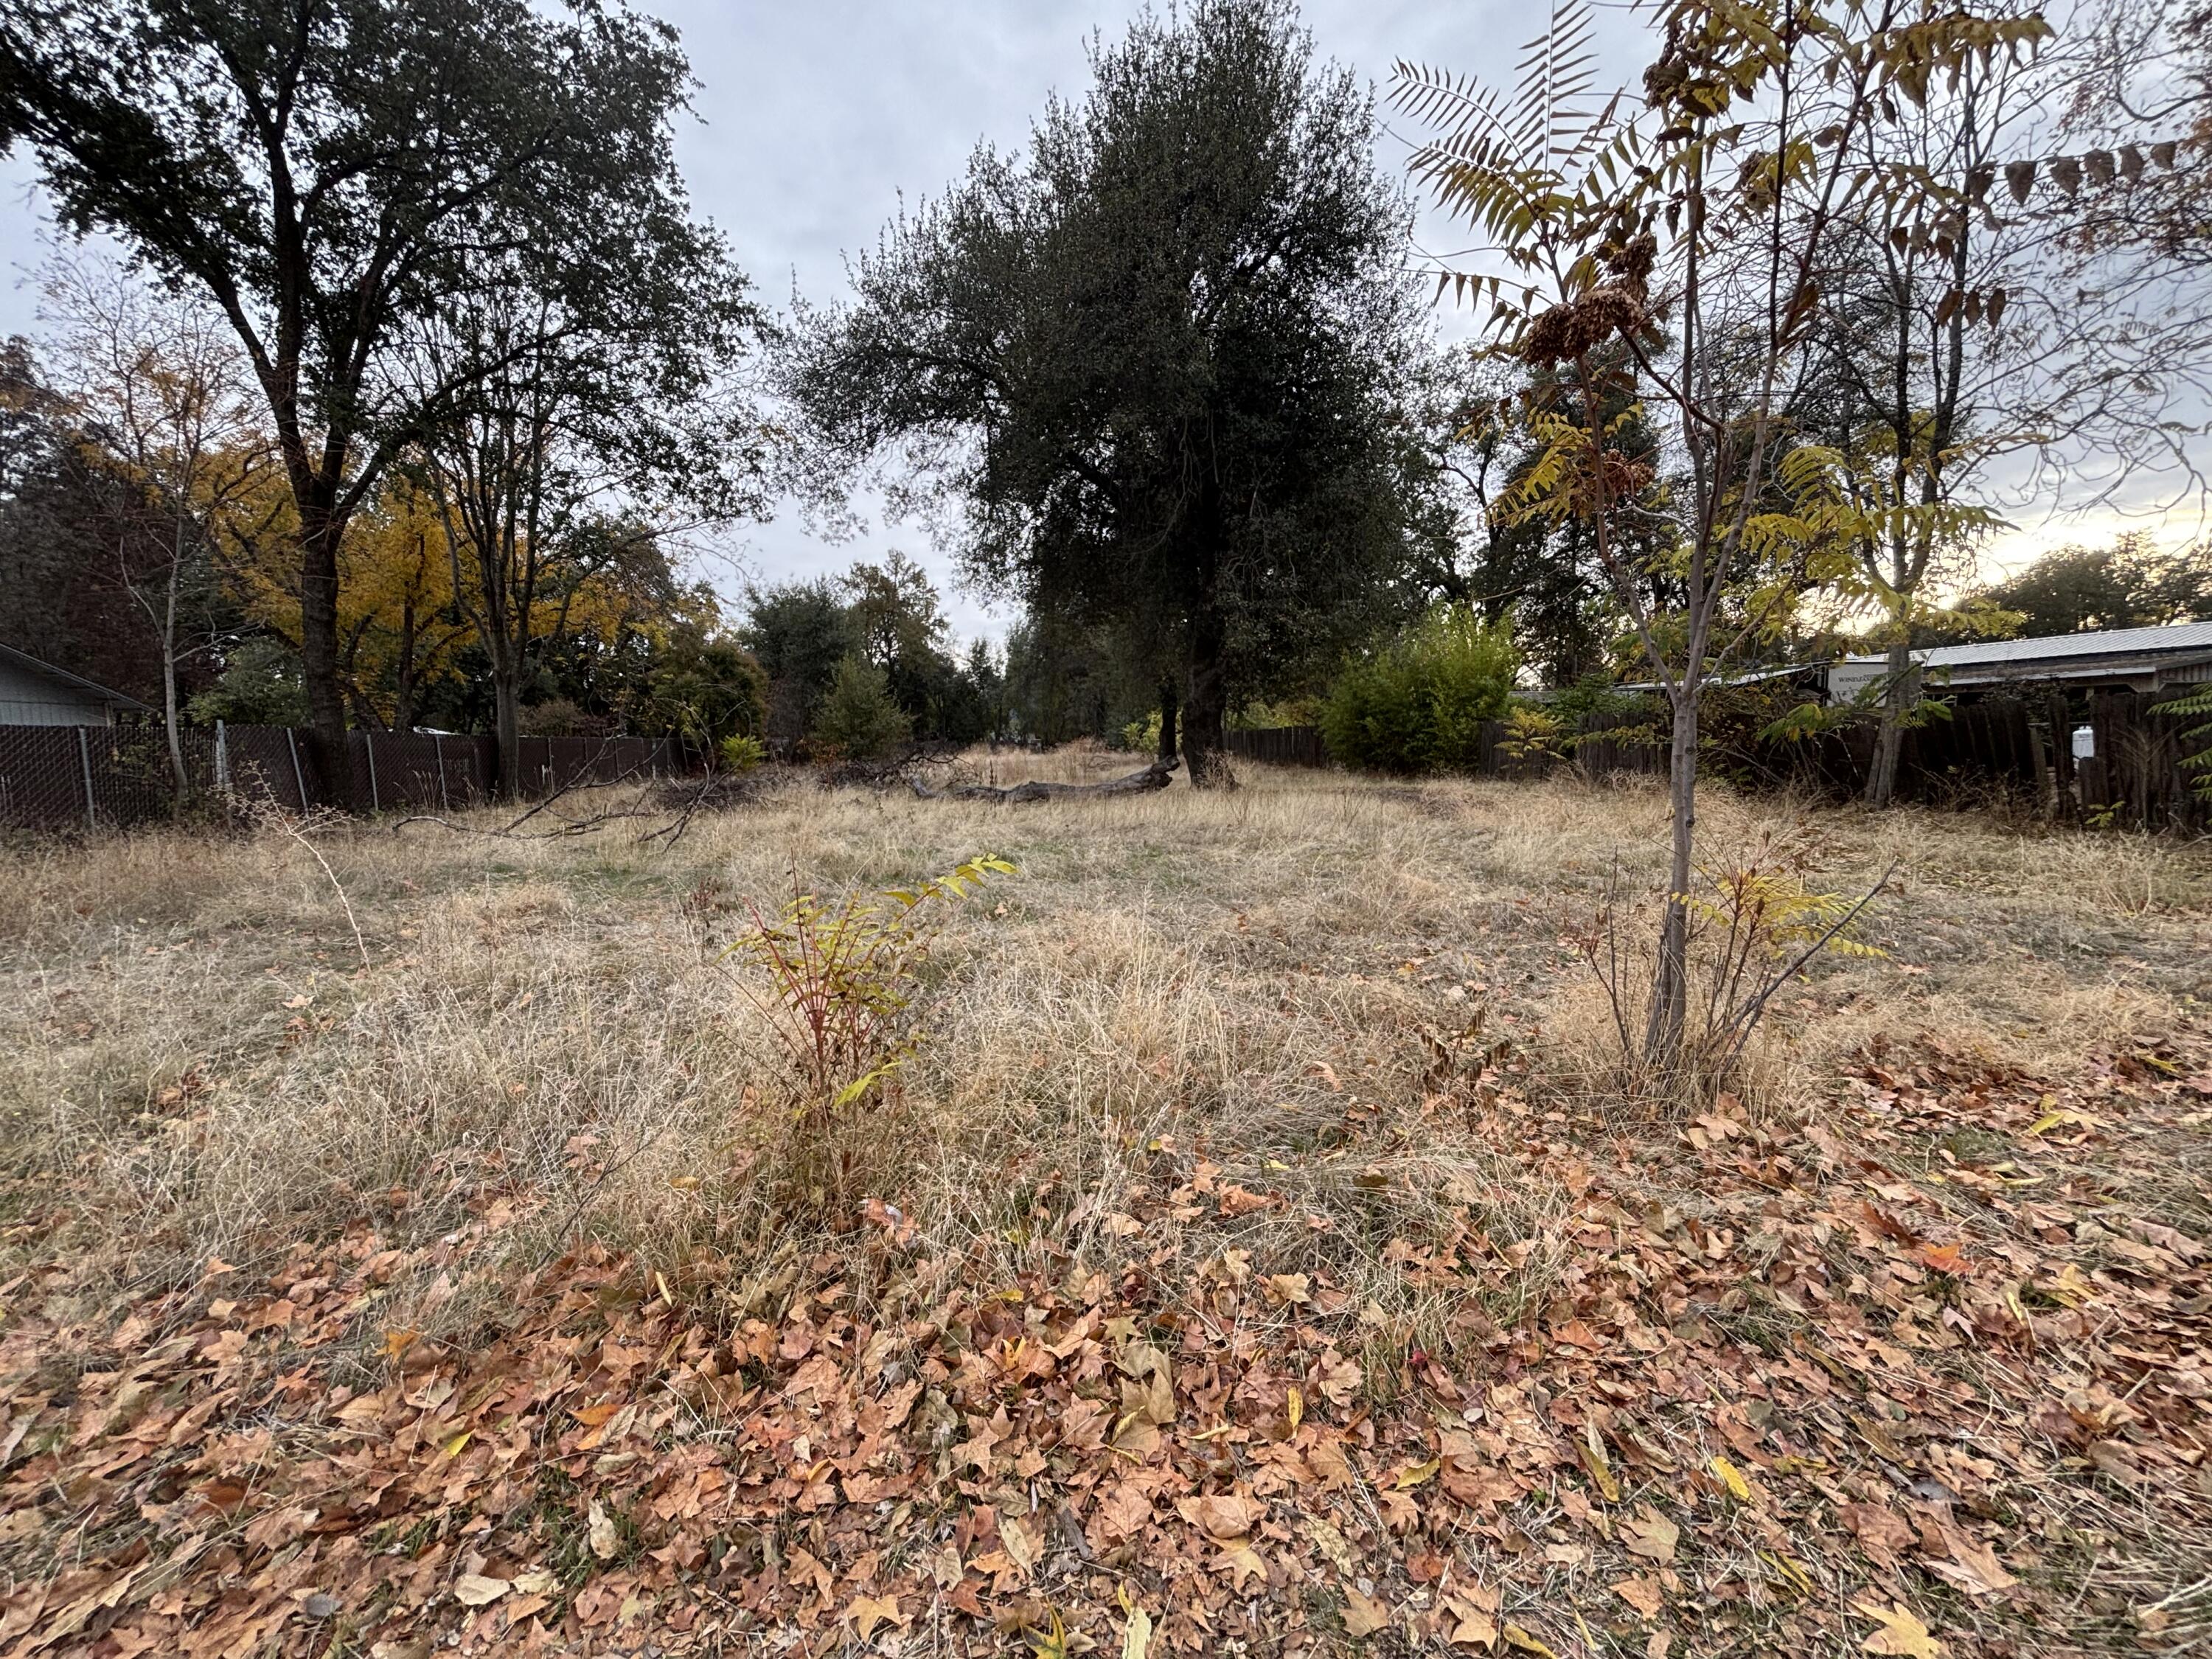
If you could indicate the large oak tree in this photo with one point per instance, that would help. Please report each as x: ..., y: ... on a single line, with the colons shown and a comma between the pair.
x: 1155, y: 362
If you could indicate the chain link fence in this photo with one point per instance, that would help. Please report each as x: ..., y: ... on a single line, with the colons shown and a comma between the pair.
x: 106, y: 777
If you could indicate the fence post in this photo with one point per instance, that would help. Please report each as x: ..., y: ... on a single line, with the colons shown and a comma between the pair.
x: 221, y: 760
x: 444, y: 799
x: 299, y: 778
x: 375, y: 800
x: 84, y: 757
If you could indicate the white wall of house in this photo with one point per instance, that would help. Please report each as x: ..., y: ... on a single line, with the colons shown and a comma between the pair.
x: 30, y: 698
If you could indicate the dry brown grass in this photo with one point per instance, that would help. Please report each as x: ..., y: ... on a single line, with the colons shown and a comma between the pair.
x: 1356, y: 1002
x: 187, y: 1039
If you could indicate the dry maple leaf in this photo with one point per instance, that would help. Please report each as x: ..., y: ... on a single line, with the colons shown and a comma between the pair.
x: 1900, y: 1633
x: 1362, y: 1614
x: 1652, y: 1535
x: 1973, y: 1566
x: 1643, y: 1595
x: 867, y: 1612
x: 1471, y: 1623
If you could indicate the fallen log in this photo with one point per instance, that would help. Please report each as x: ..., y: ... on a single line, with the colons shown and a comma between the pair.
x: 1155, y: 776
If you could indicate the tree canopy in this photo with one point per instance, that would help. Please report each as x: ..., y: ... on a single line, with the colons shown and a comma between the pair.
x: 1153, y: 365
x: 327, y: 172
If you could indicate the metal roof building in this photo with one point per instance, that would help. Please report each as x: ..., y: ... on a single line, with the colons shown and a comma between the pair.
x: 2140, y: 659
x: 34, y: 693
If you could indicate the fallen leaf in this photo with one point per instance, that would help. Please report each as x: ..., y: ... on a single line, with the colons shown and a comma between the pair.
x: 1228, y: 1516
x: 1901, y: 1633
x: 600, y: 1532
x: 1517, y: 1638
x: 1330, y: 1466
x: 1333, y: 1546
x: 867, y: 1612
x: 1418, y: 1475
x: 1137, y: 1634
x: 1652, y: 1535
x: 1643, y: 1595
x: 1241, y: 1560
x: 1732, y: 1478
x: 1591, y: 1450
x: 1471, y: 1626
x: 474, y: 1591
x: 1973, y: 1566
x: 1021, y: 1548
x: 1362, y: 1614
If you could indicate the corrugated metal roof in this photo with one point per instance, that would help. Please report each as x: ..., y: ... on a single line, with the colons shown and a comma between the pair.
x: 2105, y: 642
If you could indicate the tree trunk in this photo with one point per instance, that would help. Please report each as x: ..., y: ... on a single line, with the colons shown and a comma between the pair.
x: 1205, y: 717
x: 1167, y: 752
x: 1900, y: 690
x: 1670, y: 987
x: 507, y: 720
x: 320, y: 531
x: 403, y: 694
x: 169, y: 688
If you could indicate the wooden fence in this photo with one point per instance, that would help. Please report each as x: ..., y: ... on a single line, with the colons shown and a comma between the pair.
x: 1278, y: 745
x: 2019, y: 745
x: 110, y: 776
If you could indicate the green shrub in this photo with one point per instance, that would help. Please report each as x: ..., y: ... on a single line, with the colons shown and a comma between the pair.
x: 740, y: 754
x: 1419, y: 703
x: 857, y: 718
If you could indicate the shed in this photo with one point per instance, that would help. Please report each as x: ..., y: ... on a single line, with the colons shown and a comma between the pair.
x: 2135, y: 658
x: 34, y: 693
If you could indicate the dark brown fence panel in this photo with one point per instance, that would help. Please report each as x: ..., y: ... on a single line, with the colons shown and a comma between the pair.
x: 275, y: 763
x: 42, y: 776
x: 1606, y: 743
x: 422, y: 771
x: 69, y: 777
x: 2136, y: 775
x: 1278, y: 745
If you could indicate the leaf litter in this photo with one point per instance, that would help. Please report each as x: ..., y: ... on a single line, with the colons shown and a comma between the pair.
x: 1924, y: 1374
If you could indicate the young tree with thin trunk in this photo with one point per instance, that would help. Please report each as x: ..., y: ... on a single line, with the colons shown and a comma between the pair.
x: 1673, y: 258
x: 161, y: 399
x: 1926, y: 360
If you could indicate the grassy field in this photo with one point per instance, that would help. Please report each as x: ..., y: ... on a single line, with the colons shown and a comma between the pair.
x: 316, y: 1146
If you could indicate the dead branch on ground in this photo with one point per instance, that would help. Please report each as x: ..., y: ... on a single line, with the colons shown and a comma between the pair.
x: 1155, y: 776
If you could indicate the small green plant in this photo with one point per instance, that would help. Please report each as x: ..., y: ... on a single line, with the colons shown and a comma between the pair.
x: 1533, y: 733
x: 739, y: 754
x: 1418, y: 704
x: 842, y: 980
x: 2196, y: 738
x: 1754, y: 927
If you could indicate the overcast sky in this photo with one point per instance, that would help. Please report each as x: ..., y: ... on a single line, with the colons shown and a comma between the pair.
x: 813, y: 119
